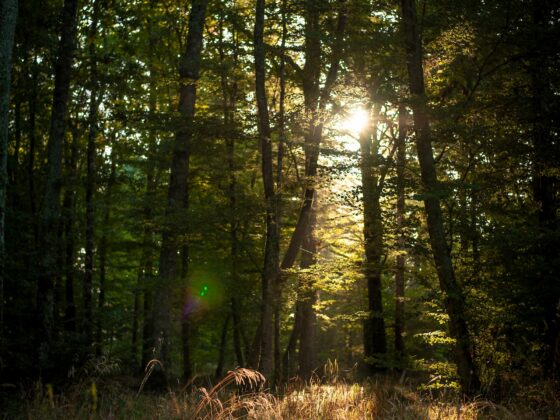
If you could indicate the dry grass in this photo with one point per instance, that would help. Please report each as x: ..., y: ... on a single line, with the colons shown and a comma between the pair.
x: 241, y: 394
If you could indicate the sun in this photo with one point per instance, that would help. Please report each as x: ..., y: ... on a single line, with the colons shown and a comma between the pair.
x: 350, y: 126
x: 356, y: 120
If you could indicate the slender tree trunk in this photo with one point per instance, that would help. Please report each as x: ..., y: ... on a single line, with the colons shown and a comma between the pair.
x: 315, y: 101
x: 289, y: 354
x: 104, y: 248
x: 146, y: 269
x: 174, y: 223
x: 454, y: 300
x: 90, y: 181
x: 272, y: 243
x: 307, y: 294
x: 401, y: 240
x: 280, y: 186
x: 50, y: 217
x: 32, y: 104
x: 375, y: 338
x: 185, y: 322
x: 8, y: 19
x: 229, y: 103
x: 69, y: 210
x: 237, y: 336
x: 223, y: 347
x: 545, y: 182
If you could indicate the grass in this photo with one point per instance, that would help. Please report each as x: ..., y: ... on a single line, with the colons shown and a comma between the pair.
x: 241, y: 394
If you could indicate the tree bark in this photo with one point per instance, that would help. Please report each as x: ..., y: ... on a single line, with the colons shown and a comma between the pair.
x: 375, y: 337
x: 237, y: 336
x: 90, y: 180
x: 8, y: 19
x: 104, y: 248
x: 545, y: 182
x: 50, y: 217
x: 69, y: 210
x: 307, y: 295
x: 272, y: 242
x: 454, y: 300
x: 223, y: 345
x: 174, y: 223
x: 401, y: 239
x: 315, y: 102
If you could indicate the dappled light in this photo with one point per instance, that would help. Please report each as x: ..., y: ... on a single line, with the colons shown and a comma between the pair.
x: 279, y: 209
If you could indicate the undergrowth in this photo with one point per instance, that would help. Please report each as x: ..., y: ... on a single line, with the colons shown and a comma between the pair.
x: 242, y: 393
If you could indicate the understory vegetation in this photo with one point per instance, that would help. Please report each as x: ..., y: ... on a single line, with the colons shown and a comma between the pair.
x: 279, y: 209
x: 243, y: 393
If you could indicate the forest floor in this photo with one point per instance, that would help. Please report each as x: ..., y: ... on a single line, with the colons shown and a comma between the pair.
x: 238, y: 396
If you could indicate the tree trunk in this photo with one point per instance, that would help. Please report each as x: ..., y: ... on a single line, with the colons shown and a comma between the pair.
x: 32, y: 104
x: 223, y: 345
x: 545, y: 182
x: 185, y: 321
x: 8, y: 19
x: 401, y: 239
x: 290, y: 352
x: 104, y: 248
x: 307, y: 295
x: 146, y: 269
x: 90, y: 181
x: 272, y: 242
x: 454, y: 300
x: 50, y: 217
x: 174, y: 223
x: 237, y: 336
x: 315, y: 101
x: 375, y: 338
x: 69, y: 210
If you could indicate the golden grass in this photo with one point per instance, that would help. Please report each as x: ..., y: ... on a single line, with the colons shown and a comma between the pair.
x: 241, y: 394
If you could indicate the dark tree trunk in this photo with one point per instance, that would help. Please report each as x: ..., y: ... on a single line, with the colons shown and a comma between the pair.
x: 454, y: 300
x: 8, y: 18
x: 185, y: 321
x: 146, y: 271
x: 280, y: 186
x: 146, y: 268
x: 545, y: 182
x: 290, y: 352
x: 104, y: 248
x: 223, y: 348
x: 315, y: 101
x: 307, y: 295
x: 90, y: 181
x: 174, y: 223
x: 375, y: 338
x: 50, y: 217
x: 229, y: 103
x: 69, y: 210
x: 401, y: 239
x: 32, y: 104
x: 237, y: 336
x: 272, y: 242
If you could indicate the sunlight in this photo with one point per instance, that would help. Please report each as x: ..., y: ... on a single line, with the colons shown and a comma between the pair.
x: 356, y: 121
x: 351, y: 126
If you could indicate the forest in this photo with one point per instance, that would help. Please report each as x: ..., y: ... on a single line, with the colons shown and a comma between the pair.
x: 279, y: 209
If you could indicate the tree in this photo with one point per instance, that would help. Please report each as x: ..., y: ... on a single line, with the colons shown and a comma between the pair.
x: 50, y: 215
x: 177, y: 201
x: 8, y: 18
x: 272, y: 242
x: 454, y: 300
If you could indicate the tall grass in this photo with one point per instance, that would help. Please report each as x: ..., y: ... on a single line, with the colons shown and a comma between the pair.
x: 242, y: 393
